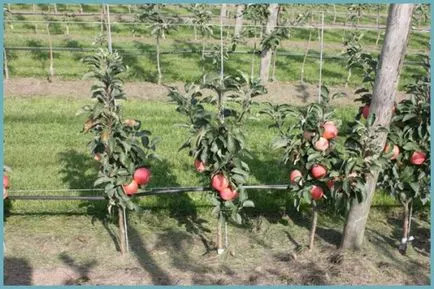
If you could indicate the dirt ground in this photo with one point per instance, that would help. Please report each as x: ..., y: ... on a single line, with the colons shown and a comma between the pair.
x: 69, y: 250
x: 279, y: 92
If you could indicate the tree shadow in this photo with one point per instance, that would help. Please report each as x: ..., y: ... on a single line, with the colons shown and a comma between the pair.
x: 303, y: 93
x: 17, y: 271
x: 180, y: 206
x: 80, y: 171
x: 81, y: 270
x: 146, y: 260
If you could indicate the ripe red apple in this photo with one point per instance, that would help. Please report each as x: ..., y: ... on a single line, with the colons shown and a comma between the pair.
x: 142, y: 176
x: 219, y: 182
x: 316, y: 193
x: 97, y: 157
x: 5, y: 181
x: 417, y: 158
x: 131, y: 188
x: 365, y: 111
x: 395, y: 151
x: 318, y: 171
x: 200, y: 166
x: 228, y: 194
x: 330, y: 130
x: 294, y: 176
x: 322, y: 144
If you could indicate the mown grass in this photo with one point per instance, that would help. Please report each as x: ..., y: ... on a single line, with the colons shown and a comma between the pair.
x: 46, y: 150
x: 182, y: 66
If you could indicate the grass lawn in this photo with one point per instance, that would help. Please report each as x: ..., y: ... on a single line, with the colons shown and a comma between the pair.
x: 66, y: 242
x: 46, y: 150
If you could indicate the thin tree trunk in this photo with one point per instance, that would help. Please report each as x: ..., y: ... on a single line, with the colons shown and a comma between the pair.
x: 220, y: 246
x: 313, y: 228
x: 306, y: 51
x: 378, y: 25
x: 383, y: 98
x: 102, y: 18
x: 51, y: 69
x: 121, y: 223
x: 252, y: 69
x: 405, y: 227
x: 6, y: 69
x: 334, y: 13
x: 203, y: 55
x: 239, y: 20
x: 267, y: 53
x: 81, y: 8
x: 55, y: 8
x: 34, y: 8
x: 348, y: 77
x: 67, y: 29
x: 158, y: 60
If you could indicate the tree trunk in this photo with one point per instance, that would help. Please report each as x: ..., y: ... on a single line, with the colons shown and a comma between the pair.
x: 67, y: 29
x: 334, y: 13
x: 306, y: 51
x: 223, y: 11
x: 383, y: 98
x: 34, y: 8
x: 6, y: 69
x: 158, y: 61
x: 378, y: 25
x: 121, y: 223
x: 55, y: 8
x: 267, y: 53
x: 51, y: 68
x: 220, y: 246
x: 239, y: 20
x: 313, y: 228
x: 405, y: 227
x: 252, y: 68
x: 81, y: 8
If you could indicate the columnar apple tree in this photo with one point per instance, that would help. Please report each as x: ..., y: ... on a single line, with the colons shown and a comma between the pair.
x: 216, y: 142
x: 124, y: 150
x: 408, y: 175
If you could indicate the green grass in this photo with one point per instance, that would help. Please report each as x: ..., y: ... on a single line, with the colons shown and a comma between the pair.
x: 46, y: 150
x: 185, y: 66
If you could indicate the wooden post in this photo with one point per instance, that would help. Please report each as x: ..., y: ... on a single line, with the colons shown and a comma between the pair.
x: 313, y: 228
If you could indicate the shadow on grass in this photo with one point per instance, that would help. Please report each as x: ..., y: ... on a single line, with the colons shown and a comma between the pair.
x: 17, y: 271
x: 81, y: 270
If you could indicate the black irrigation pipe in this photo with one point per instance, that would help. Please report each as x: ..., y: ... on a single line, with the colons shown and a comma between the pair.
x: 150, y: 192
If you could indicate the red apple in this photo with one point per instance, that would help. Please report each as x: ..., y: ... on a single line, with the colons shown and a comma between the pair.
x: 316, y: 193
x: 131, y: 188
x: 365, y: 111
x: 142, y: 176
x: 318, y: 171
x: 228, y: 194
x: 5, y: 181
x: 322, y: 144
x: 330, y: 130
x: 97, y: 157
x: 395, y: 151
x: 294, y: 176
x: 417, y: 158
x: 200, y: 166
x: 219, y: 182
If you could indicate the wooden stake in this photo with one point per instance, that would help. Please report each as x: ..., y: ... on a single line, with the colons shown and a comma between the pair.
x: 6, y: 69
x: 313, y: 228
